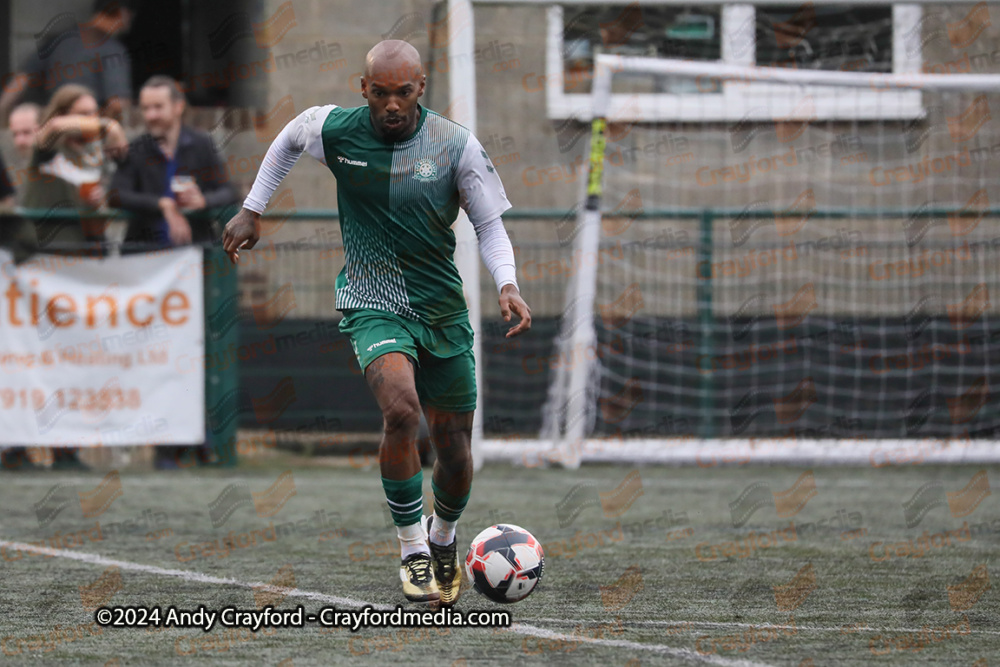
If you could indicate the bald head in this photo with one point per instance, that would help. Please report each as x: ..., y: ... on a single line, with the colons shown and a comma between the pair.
x: 393, y: 57
x: 393, y: 82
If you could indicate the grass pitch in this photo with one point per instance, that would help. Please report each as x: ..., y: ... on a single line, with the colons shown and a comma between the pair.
x: 725, y: 566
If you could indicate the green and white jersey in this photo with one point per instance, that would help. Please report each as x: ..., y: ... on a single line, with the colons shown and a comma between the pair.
x: 397, y: 203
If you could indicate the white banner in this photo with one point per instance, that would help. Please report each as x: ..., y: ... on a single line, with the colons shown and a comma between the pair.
x: 90, y: 350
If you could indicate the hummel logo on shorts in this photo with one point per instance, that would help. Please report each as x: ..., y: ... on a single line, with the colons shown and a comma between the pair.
x: 381, y: 342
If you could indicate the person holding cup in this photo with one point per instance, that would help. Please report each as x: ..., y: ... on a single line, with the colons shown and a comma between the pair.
x: 172, y: 172
x: 170, y: 180
x: 68, y: 161
x: 67, y: 165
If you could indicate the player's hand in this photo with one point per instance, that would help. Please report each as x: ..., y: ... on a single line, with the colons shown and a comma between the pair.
x: 243, y: 231
x: 511, y: 302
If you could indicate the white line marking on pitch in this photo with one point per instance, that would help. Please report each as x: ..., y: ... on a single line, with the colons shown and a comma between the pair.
x: 682, y: 653
x: 679, y: 625
x: 520, y: 628
x: 96, y: 559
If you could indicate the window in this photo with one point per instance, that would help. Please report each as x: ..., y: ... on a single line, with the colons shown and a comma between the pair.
x: 831, y: 38
x: 654, y: 32
x: 864, y: 38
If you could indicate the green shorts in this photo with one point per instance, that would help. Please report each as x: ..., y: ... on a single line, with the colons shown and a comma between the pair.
x: 445, y: 363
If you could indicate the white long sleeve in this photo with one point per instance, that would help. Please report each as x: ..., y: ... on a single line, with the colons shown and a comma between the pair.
x: 497, y: 252
x: 482, y: 196
x: 303, y: 133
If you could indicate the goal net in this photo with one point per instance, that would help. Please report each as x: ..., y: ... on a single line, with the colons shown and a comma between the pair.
x: 781, y: 263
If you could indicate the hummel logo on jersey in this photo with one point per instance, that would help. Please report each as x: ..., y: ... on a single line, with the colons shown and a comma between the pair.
x: 489, y: 167
x: 356, y: 163
x: 380, y: 343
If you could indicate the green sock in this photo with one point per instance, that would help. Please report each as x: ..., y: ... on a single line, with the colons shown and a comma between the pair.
x: 406, y: 503
x: 447, y: 506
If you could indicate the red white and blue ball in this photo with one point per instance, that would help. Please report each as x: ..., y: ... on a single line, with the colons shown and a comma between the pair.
x: 505, y: 563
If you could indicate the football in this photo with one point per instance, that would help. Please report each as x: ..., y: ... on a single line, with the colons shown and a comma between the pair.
x: 505, y: 563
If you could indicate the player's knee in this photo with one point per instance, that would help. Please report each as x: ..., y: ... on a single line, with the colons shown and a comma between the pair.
x: 456, y: 452
x: 402, y: 416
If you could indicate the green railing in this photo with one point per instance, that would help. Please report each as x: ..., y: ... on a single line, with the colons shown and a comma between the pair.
x: 220, y: 285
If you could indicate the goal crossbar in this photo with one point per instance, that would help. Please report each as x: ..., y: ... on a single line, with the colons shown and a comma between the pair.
x: 607, y: 65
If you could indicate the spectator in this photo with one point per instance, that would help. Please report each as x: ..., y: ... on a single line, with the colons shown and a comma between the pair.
x: 23, y: 127
x: 67, y: 165
x: 171, y: 174
x: 65, y: 171
x: 6, y: 188
x: 7, y: 193
x: 17, y: 233
x: 20, y: 232
x: 86, y: 54
x: 170, y: 170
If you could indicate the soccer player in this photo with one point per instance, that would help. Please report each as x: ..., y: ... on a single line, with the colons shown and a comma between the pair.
x: 402, y: 172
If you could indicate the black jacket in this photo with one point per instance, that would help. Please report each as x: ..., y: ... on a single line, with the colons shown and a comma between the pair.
x: 140, y: 182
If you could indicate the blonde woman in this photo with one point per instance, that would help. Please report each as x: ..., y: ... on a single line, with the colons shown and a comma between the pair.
x: 67, y: 165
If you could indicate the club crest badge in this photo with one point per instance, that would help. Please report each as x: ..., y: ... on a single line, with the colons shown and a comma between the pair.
x: 425, y: 170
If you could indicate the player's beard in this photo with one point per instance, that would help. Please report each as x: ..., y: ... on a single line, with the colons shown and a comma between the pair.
x: 395, y: 132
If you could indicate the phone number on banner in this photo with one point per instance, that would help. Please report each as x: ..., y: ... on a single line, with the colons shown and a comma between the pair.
x: 72, y: 398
